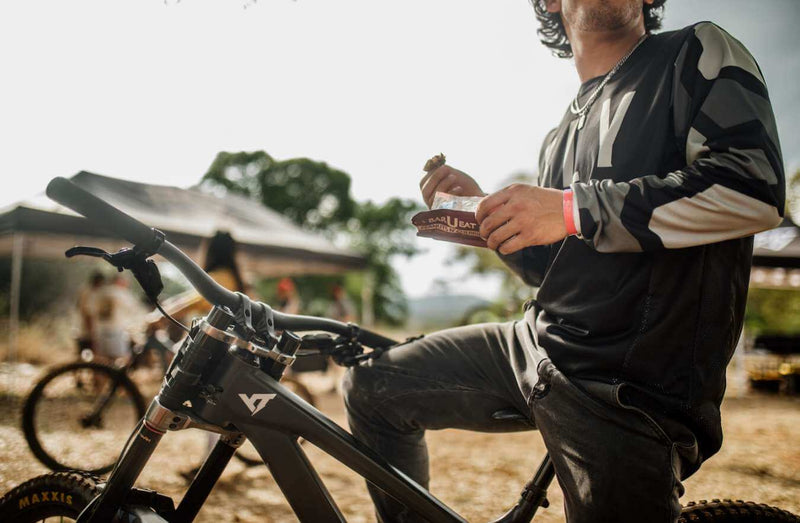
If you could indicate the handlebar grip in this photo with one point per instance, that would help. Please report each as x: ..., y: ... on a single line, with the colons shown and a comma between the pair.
x: 98, y: 211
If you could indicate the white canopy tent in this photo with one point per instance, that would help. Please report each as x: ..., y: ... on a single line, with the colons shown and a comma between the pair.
x: 268, y: 243
x: 776, y: 257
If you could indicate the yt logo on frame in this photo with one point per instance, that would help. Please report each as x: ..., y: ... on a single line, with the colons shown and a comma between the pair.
x: 256, y: 402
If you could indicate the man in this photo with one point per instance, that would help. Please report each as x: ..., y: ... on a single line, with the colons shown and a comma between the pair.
x: 639, y: 237
x: 86, y: 310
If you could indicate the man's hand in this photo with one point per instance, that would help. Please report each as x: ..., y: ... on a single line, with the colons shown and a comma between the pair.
x: 448, y: 180
x: 521, y: 215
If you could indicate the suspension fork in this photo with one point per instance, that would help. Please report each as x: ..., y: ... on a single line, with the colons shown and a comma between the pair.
x: 206, y: 478
x: 135, y: 456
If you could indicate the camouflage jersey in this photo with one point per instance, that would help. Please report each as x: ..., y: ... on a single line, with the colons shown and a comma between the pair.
x: 677, y: 166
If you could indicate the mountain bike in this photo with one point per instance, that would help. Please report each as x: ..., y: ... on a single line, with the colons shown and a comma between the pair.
x: 226, y: 378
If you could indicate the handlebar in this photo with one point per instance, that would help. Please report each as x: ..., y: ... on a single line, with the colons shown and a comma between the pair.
x: 125, y: 226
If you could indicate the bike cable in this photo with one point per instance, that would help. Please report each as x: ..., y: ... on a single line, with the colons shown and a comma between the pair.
x: 170, y: 318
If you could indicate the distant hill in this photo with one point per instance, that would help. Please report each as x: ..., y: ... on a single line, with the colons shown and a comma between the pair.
x: 447, y: 310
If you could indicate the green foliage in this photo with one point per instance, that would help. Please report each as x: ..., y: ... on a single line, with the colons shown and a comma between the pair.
x: 307, y: 192
x: 317, y: 196
x: 315, y: 290
x: 773, y: 311
x: 777, y: 311
x: 513, y: 291
x: 380, y: 232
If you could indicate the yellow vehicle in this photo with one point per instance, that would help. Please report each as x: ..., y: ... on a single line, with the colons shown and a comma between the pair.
x: 774, y: 364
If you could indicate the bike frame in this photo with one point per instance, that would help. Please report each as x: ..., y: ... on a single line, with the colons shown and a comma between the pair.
x: 273, y: 418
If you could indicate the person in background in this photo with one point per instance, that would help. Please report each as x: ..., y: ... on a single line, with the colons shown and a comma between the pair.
x: 341, y: 307
x: 220, y: 263
x: 288, y: 299
x: 117, y: 312
x: 86, y: 310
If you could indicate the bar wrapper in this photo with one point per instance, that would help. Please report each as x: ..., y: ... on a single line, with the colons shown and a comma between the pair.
x: 451, y: 219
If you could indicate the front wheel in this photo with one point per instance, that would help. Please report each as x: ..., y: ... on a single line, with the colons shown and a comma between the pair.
x: 52, y: 497
x: 727, y: 511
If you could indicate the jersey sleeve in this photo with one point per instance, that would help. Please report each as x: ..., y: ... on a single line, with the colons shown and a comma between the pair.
x: 530, y: 263
x: 733, y: 183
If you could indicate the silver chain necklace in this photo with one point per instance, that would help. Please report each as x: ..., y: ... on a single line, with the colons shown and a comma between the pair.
x: 582, y: 111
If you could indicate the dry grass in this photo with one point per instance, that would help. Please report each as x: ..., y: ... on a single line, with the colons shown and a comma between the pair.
x: 43, y: 341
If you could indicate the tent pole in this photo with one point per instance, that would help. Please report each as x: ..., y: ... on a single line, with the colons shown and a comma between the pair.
x: 16, y: 279
x: 368, y: 299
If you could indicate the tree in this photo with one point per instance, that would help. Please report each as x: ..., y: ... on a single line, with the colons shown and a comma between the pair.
x: 317, y: 196
x: 513, y: 291
x: 309, y: 193
x: 777, y: 311
x: 381, y: 232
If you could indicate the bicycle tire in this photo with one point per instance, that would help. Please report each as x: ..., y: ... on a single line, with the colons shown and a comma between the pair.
x: 58, y: 494
x: 247, y: 454
x: 728, y: 511
x: 40, y: 417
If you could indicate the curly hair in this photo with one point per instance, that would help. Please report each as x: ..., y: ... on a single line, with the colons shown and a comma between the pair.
x: 553, y: 35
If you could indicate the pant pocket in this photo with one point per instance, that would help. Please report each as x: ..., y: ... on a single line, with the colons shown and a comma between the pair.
x: 657, y: 429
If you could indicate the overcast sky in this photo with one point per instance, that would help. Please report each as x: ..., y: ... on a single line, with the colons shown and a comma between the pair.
x: 150, y: 91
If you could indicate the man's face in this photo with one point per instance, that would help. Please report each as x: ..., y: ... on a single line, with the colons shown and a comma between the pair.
x: 597, y: 15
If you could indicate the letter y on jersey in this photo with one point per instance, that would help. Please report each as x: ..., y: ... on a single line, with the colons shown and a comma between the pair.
x: 609, y: 130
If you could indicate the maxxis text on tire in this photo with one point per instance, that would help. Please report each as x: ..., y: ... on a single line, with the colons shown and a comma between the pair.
x: 58, y: 494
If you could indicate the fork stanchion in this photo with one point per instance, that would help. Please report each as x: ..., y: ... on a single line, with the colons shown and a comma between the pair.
x: 134, y: 458
x: 206, y: 478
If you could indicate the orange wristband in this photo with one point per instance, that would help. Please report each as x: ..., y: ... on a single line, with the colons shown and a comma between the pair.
x: 569, y: 217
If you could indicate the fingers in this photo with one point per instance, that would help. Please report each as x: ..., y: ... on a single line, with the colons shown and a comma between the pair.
x: 512, y: 245
x: 496, y: 219
x: 432, y: 180
x: 489, y: 204
x: 427, y: 176
x: 502, y: 234
x: 447, y: 184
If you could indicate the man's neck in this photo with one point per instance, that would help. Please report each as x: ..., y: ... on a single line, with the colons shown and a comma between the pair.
x: 597, y: 52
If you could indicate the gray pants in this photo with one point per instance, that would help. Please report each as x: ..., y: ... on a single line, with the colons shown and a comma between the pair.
x: 612, y: 461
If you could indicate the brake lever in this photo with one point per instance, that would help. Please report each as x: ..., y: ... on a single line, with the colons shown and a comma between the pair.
x: 86, y: 251
x: 144, y: 270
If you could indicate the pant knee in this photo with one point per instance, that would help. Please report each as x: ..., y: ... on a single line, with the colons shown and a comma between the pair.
x: 358, y: 389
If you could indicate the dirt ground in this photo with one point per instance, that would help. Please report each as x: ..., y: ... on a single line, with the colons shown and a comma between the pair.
x: 479, y: 475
